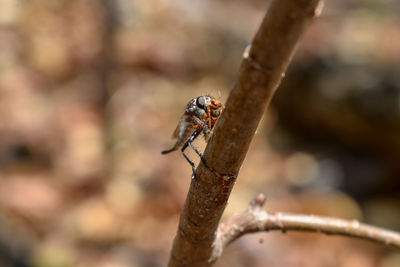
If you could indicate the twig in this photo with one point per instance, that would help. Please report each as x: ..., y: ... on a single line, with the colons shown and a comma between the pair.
x: 261, y: 71
x: 254, y: 219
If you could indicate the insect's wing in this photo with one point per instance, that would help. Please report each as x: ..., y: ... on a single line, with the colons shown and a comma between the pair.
x: 176, y: 132
x: 181, y: 127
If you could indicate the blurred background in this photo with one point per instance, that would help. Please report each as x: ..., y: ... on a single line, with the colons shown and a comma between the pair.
x: 91, y: 91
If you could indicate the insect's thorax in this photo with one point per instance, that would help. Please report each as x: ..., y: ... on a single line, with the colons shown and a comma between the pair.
x: 200, y: 107
x: 192, y: 109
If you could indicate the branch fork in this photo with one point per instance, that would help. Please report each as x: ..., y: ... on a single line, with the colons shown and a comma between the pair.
x: 254, y: 219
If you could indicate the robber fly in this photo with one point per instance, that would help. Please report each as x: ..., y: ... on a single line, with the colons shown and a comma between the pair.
x: 201, y: 114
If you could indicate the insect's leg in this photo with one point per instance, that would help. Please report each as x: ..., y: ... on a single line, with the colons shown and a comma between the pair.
x: 191, y: 164
x: 209, y: 116
x: 200, y: 155
x: 194, y: 135
x: 206, y: 130
x: 195, y: 149
x: 207, y: 135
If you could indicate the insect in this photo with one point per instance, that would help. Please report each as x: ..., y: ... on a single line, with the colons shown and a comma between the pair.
x: 200, y: 116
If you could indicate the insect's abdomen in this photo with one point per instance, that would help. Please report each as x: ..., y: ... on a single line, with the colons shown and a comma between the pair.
x: 182, y: 132
x: 185, y: 136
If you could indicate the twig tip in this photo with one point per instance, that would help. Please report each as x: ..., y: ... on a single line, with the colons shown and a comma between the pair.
x: 258, y: 201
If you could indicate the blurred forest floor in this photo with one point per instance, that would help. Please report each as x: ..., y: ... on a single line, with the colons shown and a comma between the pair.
x: 91, y: 91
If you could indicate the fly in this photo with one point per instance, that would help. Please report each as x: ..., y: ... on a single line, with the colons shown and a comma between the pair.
x: 200, y: 116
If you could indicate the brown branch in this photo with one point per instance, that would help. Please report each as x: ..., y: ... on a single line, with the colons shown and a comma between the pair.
x: 260, y: 73
x: 254, y: 219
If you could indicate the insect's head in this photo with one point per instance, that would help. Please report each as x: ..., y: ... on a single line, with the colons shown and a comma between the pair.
x: 215, y: 103
x: 210, y: 103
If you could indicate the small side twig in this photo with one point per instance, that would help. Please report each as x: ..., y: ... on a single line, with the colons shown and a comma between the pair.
x: 254, y: 219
